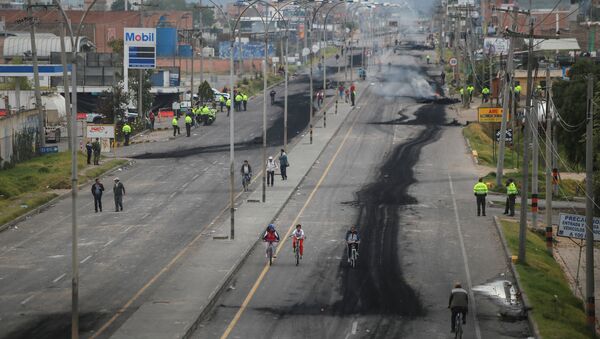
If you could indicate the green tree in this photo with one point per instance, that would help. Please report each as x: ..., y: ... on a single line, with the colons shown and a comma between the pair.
x: 112, y: 103
x: 117, y: 46
x: 147, y: 97
x: 118, y: 5
x: 24, y: 84
x: 205, y: 92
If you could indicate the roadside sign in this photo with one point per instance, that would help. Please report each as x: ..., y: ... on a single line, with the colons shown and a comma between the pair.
x: 100, y: 131
x: 305, y: 51
x: 573, y: 226
x: 453, y: 62
x: 140, y: 47
x: 508, y: 135
x: 81, y: 116
x: 489, y: 114
x: 49, y: 149
x: 315, y: 48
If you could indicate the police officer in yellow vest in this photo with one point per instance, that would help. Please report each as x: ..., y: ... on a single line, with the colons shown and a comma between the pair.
x: 511, y: 197
x: 221, y: 102
x: 480, y: 190
x: 188, y: 124
x: 518, y: 92
x: 238, y: 102
x: 485, y: 94
x: 175, y: 124
x: 204, y: 114
x: 197, y: 118
x: 228, y: 104
x: 126, y: 132
x: 245, y: 101
x: 470, y: 89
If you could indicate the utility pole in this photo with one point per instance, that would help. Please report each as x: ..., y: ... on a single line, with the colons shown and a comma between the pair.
x: 201, y: 28
x: 525, y: 188
x: 63, y: 59
x: 548, y: 163
x: 534, y: 164
x: 36, y: 78
x: 589, y: 208
x: 505, y: 104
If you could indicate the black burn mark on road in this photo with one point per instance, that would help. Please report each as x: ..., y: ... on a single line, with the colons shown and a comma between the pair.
x: 54, y: 326
x: 377, y: 285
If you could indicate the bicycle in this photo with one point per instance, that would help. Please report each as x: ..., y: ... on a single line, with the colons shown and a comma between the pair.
x: 458, y: 330
x: 353, y: 254
x: 297, y: 251
x: 246, y: 182
x: 270, y: 252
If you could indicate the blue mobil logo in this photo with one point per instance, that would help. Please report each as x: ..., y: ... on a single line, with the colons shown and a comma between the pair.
x: 139, y: 37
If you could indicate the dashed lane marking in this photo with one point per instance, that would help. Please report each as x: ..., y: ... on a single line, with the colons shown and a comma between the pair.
x: 86, y: 259
x: 58, y: 278
x: 26, y: 300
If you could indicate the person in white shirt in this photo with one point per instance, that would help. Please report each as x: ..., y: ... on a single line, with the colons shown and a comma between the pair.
x: 271, y: 167
x: 298, y: 238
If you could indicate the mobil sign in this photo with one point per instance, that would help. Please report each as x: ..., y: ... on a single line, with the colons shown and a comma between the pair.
x: 137, y: 36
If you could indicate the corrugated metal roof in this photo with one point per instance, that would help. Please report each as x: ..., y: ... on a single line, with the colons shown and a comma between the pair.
x: 45, y: 44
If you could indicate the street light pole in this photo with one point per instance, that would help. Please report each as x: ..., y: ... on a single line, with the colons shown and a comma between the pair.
x: 36, y: 79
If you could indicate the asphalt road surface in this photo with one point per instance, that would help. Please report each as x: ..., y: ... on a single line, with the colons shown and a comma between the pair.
x: 174, y: 190
x: 400, y: 172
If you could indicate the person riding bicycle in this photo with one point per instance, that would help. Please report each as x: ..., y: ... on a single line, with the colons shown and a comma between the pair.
x: 458, y: 303
x: 246, y: 171
x: 352, y: 240
x: 298, y: 236
x: 270, y: 236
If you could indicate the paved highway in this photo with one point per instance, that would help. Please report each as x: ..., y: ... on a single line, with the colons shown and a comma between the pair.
x: 401, y: 173
x: 174, y: 190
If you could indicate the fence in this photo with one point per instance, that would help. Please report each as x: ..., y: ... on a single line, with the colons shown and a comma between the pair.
x: 18, y: 135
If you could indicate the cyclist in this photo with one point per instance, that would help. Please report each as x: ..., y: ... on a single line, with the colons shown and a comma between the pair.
x: 246, y: 172
x: 352, y: 240
x: 458, y: 303
x: 270, y: 236
x: 298, y: 236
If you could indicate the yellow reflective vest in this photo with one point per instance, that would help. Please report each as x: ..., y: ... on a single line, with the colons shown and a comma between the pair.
x: 480, y: 188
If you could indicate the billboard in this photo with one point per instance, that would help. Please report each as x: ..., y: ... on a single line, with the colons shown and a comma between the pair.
x: 490, y: 114
x: 140, y: 48
x: 100, y: 131
x: 574, y: 225
x: 495, y: 46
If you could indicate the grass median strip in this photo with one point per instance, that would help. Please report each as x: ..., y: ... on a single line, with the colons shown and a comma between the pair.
x: 557, y: 312
x: 34, y: 182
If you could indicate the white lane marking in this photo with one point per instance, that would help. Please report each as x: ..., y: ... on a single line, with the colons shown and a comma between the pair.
x: 127, y: 229
x: 465, y: 260
x: 59, y: 277
x: 172, y: 195
x: 196, y: 176
x: 354, y: 327
x: 186, y: 184
x: 86, y: 259
x: 108, y: 243
x: 27, y: 299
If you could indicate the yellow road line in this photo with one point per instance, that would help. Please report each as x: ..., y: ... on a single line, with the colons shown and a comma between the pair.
x: 265, y: 269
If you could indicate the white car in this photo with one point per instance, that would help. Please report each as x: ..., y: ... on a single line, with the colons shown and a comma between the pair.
x: 218, y: 94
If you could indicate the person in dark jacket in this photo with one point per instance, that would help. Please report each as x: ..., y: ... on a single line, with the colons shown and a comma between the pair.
x: 119, y: 192
x: 283, y: 164
x: 272, y: 94
x: 458, y: 303
x: 89, y: 149
x: 97, y: 189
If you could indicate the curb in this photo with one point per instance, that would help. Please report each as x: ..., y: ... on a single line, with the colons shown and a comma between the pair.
x: 218, y: 291
x: 526, y: 304
x: 49, y: 204
x: 473, y: 152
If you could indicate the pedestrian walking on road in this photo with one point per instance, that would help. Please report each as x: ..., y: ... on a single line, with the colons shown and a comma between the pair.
x: 480, y: 190
x: 188, y: 125
x: 119, y: 192
x: 126, y: 133
x: 175, y: 124
x: 271, y: 167
x: 152, y: 117
x: 321, y: 98
x: 283, y: 164
x: 88, y: 148
x: 511, y: 197
x: 97, y: 189
x: 341, y: 91
x: 96, y: 148
x: 353, y: 97
x: 272, y: 94
x: 347, y: 92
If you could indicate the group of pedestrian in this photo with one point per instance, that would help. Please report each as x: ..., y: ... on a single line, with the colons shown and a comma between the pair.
x: 271, y: 166
x: 347, y: 93
x: 118, y: 193
x: 240, y: 101
x: 480, y: 190
x: 319, y: 98
x: 93, y: 149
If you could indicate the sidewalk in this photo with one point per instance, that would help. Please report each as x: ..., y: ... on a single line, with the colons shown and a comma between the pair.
x: 206, y: 265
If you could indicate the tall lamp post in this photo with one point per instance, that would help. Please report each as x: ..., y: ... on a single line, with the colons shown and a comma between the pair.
x: 73, y: 134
